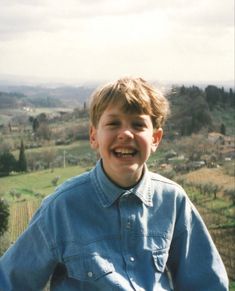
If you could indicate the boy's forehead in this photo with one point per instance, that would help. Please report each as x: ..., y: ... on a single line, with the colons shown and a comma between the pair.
x: 126, y: 107
x: 113, y: 111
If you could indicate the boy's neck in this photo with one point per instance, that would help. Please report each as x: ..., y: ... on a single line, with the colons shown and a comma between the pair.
x: 121, y: 186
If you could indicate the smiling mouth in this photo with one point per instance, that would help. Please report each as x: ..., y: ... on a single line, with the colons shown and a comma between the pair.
x: 122, y: 152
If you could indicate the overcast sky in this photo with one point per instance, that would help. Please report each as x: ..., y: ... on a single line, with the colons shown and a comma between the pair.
x: 92, y: 40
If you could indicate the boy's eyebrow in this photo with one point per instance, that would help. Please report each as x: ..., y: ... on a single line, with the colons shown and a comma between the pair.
x: 116, y: 115
x: 112, y: 115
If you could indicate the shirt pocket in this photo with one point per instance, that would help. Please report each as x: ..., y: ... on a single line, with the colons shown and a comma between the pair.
x: 90, y: 268
x: 160, y: 258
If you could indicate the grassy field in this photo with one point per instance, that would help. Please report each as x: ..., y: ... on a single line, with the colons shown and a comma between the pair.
x: 213, y: 175
x: 36, y: 182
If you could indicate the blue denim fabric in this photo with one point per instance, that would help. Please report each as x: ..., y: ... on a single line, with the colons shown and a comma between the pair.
x: 92, y: 235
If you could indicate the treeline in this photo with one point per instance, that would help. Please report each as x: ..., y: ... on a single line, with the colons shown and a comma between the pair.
x: 218, y: 96
x: 11, y: 100
x: 17, y: 100
x: 48, y: 102
x: 192, y: 108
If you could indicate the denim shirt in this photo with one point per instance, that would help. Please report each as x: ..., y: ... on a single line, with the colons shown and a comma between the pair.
x: 93, y: 235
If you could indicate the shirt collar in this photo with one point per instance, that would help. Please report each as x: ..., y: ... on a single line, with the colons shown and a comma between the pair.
x: 108, y: 192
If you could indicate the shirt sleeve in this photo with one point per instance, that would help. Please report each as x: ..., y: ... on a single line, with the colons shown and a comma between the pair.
x: 194, y: 261
x: 29, y: 262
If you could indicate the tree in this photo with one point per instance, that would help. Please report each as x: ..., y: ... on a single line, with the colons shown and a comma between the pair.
x: 42, y: 117
x: 44, y: 131
x: 55, y: 180
x: 8, y: 163
x: 35, y: 124
x: 213, y: 95
x: 223, y: 129
x: 4, y: 215
x: 84, y: 106
x: 231, y: 97
x: 22, y: 162
x: 230, y: 192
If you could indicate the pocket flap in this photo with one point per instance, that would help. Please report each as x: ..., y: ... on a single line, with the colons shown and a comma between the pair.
x: 89, y: 268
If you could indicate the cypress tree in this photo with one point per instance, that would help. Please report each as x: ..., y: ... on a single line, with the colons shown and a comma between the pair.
x: 223, y: 129
x: 22, y: 163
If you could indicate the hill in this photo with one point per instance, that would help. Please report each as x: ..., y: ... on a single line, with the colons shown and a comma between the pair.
x: 38, y: 96
x: 193, y: 109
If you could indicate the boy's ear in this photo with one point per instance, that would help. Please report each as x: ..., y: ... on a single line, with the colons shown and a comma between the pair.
x: 93, y: 138
x: 157, y: 137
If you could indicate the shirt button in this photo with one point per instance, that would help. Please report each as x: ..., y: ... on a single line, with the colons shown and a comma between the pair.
x: 89, y: 274
x: 132, y: 259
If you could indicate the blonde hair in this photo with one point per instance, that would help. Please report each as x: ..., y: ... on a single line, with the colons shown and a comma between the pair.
x: 134, y: 95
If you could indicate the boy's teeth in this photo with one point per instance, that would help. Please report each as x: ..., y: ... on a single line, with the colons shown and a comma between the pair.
x: 124, y: 151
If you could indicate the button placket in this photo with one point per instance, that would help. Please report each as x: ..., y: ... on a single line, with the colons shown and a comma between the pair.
x: 128, y: 225
x: 127, y: 218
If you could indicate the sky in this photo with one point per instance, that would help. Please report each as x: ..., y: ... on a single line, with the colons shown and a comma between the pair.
x: 95, y: 40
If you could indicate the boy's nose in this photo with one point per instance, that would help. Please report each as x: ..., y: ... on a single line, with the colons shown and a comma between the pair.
x: 125, y: 134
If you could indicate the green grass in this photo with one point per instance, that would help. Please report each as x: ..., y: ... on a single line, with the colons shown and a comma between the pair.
x: 232, y: 286
x: 36, y: 182
x: 225, y: 117
x: 219, y: 205
x: 80, y: 149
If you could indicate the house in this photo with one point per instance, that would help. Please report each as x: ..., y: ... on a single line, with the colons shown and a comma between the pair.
x: 225, y: 143
x: 216, y: 138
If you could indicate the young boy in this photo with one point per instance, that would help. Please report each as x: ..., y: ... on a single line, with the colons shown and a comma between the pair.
x: 118, y: 226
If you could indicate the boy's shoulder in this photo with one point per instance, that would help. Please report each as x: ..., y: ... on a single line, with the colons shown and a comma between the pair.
x: 73, y: 182
x: 161, y: 179
x: 164, y: 182
x: 69, y: 187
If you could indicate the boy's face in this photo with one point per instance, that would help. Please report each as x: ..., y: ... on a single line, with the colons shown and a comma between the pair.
x: 125, y: 142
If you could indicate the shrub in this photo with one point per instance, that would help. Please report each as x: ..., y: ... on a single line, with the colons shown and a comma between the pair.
x: 55, y: 180
x: 14, y: 193
x: 4, y: 216
x: 229, y: 168
x: 231, y: 194
x: 4, y: 243
x: 8, y: 163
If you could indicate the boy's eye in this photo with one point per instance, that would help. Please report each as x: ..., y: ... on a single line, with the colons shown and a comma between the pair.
x: 113, y: 123
x: 138, y: 125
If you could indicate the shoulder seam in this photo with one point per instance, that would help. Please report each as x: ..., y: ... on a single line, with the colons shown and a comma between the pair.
x: 62, y: 189
x: 162, y: 179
